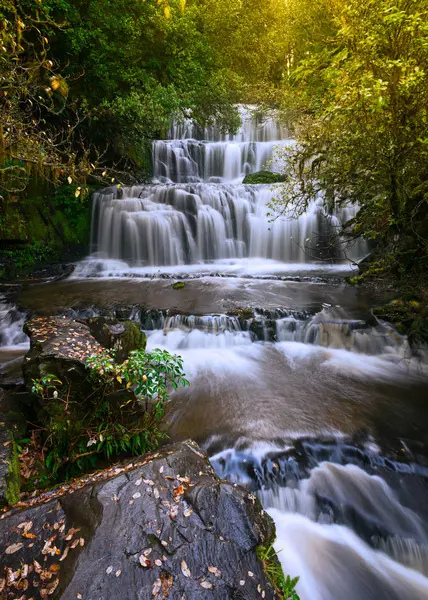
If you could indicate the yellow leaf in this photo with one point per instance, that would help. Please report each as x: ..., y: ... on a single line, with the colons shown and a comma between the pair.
x: 119, y: 379
x: 167, y: 12
x: 77, y: 193
x: 69, y: 179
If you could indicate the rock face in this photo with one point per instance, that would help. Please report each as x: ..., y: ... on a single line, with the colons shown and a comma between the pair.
x: 161, y: 527
x: 58, y: 346
x: 121, y: 336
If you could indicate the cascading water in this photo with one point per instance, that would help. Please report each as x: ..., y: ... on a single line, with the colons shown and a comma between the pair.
x: 197, y: 210
x: 276, y: 366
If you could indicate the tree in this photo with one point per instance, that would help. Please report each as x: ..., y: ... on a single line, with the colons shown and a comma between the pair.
x: 362, y: 135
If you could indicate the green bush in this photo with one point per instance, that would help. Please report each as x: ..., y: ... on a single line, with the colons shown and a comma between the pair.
x: 264, y: 177
x: 121, y: 416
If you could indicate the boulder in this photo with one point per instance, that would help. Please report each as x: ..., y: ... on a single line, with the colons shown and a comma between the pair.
x: 163, y: 526
x: 121, y: 336
x: 58, y: 346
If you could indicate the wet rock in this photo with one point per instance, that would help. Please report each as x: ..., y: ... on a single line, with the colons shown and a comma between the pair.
x: 58, y: 346
x: 121, y: 336
x: 161, y: 527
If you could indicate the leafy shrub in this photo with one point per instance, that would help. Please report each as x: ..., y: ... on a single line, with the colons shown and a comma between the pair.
x: 263, y: 177
x: 121, y: 416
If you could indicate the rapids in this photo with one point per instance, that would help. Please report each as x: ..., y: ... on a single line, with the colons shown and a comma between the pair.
x: 297, y: 391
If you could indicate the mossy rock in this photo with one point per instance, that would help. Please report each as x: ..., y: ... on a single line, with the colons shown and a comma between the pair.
x: 179, y: 285
x: 10, y: 480
x: 264, y: 177
x: 121, y: 336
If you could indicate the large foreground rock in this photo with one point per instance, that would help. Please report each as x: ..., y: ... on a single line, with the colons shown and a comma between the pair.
x: 161, y: 527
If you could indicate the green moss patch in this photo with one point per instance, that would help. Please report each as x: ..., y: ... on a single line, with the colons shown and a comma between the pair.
x: 13, y: 478
x: 264, y: 177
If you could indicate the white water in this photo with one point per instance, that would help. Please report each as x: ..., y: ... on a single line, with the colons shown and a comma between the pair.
x: 197, y: 210
x: 320, y: 373
x: 12, y: 322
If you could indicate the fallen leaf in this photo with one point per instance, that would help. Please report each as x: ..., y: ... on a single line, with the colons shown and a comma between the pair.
x: 27, y: 525
x: 158, y: 562
x: 188, y: 512
x: 109, y: 570
x: 118, y: 573
x: 185, y: 569
x: 156, y: 587
x: 14, y: 548
x: 145, y: 562
x: 207, y: 585
x: 250, y: 574
x: 55, y: 568
x: 215, y: 571
x: 166, y: 580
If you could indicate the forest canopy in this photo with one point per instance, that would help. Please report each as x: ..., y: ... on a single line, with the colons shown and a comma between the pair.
x: 85, y: 87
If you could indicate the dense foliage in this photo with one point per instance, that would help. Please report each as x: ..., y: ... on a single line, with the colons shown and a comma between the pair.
x: 122, y: 414
x: 358, y: 95
x: 85, y: 86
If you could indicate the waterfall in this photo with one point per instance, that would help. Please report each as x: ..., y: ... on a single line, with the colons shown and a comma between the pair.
x: 197, y: 210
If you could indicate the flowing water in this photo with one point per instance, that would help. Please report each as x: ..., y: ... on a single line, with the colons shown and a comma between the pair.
x: 297, y: 391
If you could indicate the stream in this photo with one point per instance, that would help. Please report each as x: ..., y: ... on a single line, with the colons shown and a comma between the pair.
x: 297, y: 391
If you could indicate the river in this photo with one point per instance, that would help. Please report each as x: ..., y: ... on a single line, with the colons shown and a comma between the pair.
x: 297, y: 391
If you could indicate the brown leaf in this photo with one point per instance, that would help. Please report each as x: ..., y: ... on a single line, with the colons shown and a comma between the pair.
x: 55, y: 568
x: 14, y: 548
x: 215, y: 571
x: 166, y: 580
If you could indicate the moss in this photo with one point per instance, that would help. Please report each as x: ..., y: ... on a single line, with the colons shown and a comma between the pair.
x: 263, y: 177
x: 409, y: 316
x: 44, y: 225
x: 132, y: 338
x: 13, y: 478
x: 178, y: 285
